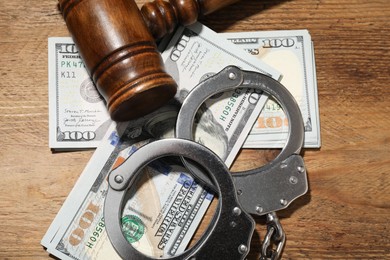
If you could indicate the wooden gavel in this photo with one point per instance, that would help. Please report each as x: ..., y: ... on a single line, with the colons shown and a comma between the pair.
x: 116, y: 41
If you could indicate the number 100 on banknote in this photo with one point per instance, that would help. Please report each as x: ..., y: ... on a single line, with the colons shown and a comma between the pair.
x: 78, y: 115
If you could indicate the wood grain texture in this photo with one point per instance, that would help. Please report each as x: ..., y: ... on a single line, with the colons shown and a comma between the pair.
x: 346, y: 213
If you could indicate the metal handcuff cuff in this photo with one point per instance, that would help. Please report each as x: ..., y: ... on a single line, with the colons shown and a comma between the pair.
x: 259, y: 191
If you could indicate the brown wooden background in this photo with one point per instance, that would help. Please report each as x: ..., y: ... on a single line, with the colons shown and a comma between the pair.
x: 346, y: 213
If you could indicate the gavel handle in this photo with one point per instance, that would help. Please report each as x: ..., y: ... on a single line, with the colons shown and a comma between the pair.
x: 117, y: 44
x: 161, y: 17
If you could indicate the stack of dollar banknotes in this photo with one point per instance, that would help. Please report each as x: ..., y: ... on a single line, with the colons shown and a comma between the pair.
x: 79, y: 120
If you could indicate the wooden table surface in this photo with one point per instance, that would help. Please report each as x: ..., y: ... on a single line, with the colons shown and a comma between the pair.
x: 345, y: 214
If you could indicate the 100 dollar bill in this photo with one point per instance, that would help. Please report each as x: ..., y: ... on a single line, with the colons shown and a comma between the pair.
x: 223, y: 122
x: 78, y: 116
x: 291, y: 53
x: 167, y: 207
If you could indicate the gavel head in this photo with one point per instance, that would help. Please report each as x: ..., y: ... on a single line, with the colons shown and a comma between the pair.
x: 120, y: 55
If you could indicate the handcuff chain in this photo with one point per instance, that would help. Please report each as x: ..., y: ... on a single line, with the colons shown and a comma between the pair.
x: 274, y: 236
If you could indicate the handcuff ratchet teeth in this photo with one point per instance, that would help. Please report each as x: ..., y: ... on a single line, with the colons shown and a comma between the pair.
x: 275, y: 185
x: 230, y: 220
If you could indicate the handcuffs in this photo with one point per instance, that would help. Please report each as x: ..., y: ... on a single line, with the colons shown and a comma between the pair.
x: 260, y: 191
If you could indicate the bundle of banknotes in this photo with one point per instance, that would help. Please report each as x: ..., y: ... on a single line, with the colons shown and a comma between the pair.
x: 79, y: 118
x: 168, y: 201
